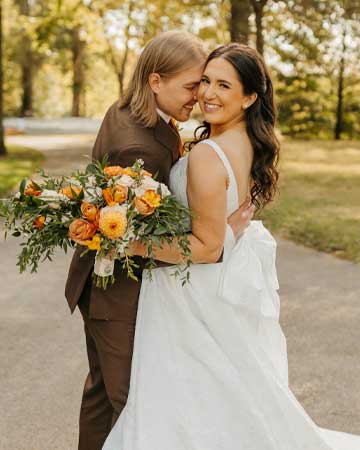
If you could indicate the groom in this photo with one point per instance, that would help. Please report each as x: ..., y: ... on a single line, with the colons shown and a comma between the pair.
x: 163, y: 86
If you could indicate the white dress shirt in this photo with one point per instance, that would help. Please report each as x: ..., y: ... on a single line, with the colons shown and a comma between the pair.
x: 163, y: 115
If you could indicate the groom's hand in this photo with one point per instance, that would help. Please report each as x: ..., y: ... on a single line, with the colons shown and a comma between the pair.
x: 241, y: 218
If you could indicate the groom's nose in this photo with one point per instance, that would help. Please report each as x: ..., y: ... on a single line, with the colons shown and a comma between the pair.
x: 195, y: 94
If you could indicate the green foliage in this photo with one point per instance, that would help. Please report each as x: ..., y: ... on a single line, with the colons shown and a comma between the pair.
x: 318, y: 205
x: 302, y: 46
x: 43, y: 212
x: 305, y: 106
x: 303, y: 41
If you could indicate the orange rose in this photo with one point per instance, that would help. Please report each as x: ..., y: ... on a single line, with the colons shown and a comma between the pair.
x: 147, y: 204
x: 115, y: 195
x: 81, y: 230
x: 120, y: 193
x: 142, y: 207
x: 39, y: 222
x: 113, y: 171
x: 90, y: 212
x: 32, y: 190
x: 70, y: 190
x: 109, y: 196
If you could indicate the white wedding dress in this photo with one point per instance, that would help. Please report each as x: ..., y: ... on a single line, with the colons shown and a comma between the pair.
x: 209, y: 369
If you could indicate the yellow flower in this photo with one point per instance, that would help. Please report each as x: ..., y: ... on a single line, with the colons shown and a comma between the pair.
x: 128, y: 171
x: 70, y: 190
x: 152, y: 199
x: 94, y: 243
x: 108, y: 195
x: 147, y: 204
x: 39, y: 222
x: 112, y: 222
x: 142, y: 207
x: 32, y: 190
x: 116, y: 195
x: 120, y: 193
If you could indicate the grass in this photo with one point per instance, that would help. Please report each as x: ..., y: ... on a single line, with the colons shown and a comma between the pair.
x: 319, y: 201
x: 20, y: 162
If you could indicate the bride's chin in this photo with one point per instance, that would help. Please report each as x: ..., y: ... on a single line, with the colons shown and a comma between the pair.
x: 213, y: 120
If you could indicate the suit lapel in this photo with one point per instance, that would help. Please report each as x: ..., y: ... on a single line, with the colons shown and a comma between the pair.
x: 168, y: 138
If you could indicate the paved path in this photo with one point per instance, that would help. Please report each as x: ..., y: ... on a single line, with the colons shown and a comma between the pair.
x: 64, y: 153
x: 42, y: 348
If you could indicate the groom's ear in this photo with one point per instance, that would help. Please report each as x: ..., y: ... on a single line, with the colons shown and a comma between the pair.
x: 154, y: 82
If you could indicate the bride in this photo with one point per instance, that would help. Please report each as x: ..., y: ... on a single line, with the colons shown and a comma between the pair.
x: 209, y: 369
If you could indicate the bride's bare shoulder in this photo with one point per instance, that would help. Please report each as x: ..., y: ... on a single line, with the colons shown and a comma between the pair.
x: 202, y: 151
x: 202, y: 157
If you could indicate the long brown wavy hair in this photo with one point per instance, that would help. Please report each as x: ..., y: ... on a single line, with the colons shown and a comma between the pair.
x: 260, y: 118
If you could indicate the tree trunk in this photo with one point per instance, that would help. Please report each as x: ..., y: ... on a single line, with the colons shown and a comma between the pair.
x: 120, y: 77
x: 27, y: 82
x: 26, y: 66
x: 78, y: 47
x: 258, y: 6
x: 2, y: 143
x: 121, y: 71
x: 239, y: 21
x: 340, y: 96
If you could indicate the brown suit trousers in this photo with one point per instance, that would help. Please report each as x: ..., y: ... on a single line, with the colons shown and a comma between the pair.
x: 109, y: 347
x: 110, y: 316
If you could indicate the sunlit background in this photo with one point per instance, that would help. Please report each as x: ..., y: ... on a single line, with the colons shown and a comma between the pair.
x: 74, y: 57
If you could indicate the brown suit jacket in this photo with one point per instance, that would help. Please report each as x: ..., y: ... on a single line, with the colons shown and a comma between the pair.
x: 124, y: 141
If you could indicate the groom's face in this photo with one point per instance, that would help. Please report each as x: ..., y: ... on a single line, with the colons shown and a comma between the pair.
x: 176, y: 96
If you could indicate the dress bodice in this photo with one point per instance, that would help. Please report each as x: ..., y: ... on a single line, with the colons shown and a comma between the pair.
x: 178, y: 179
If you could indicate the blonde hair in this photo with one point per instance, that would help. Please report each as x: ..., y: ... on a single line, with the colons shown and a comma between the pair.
x: 167, y: 54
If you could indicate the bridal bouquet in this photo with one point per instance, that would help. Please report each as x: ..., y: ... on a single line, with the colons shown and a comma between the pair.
x: 101, y: 209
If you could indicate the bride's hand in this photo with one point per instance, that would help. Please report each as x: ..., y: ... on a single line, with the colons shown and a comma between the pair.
x: 136, y: 248
x: 241, y: 218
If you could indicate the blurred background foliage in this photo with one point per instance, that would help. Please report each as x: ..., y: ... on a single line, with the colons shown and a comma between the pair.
x: 74, y: 57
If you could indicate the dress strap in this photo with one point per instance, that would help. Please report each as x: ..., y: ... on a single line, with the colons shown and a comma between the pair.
x: 218, y: 150
x: 232, y: 189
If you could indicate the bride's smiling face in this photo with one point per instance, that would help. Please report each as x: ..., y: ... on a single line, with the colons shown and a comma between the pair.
x: 221, y: 95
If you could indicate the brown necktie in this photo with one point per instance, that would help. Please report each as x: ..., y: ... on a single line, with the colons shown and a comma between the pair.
x: 172, y: 123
